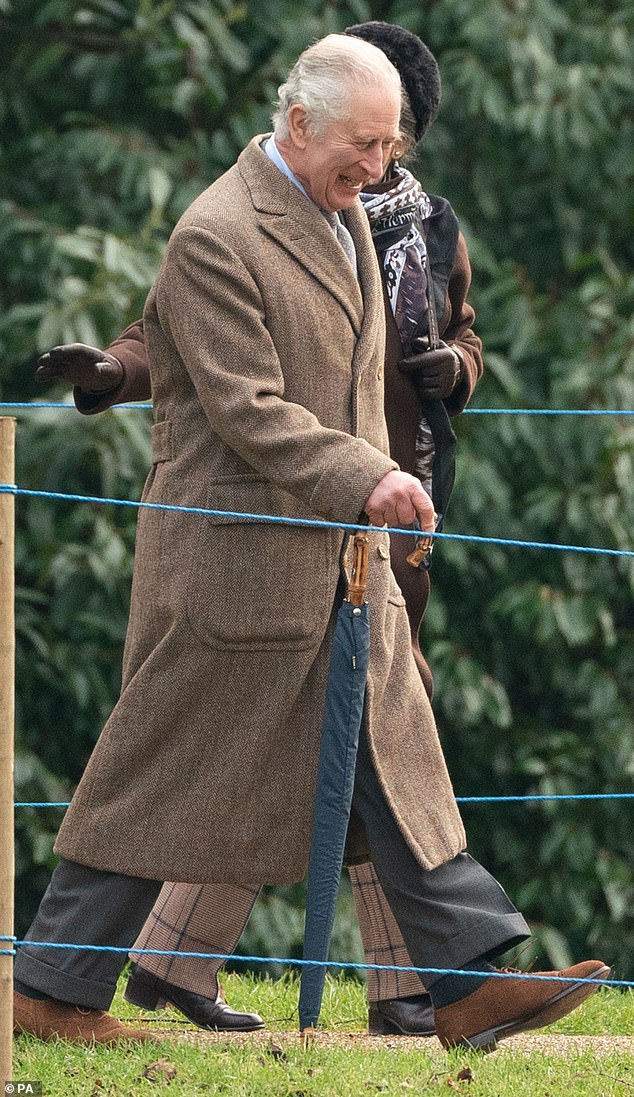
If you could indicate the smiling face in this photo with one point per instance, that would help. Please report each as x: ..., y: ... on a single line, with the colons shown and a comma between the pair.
x: 335, y: 165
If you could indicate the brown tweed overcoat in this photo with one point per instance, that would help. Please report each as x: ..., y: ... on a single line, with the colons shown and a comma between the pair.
x: 266, y: 359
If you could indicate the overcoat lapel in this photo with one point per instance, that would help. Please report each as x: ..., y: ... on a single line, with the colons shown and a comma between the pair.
x: 370, y: 283
x: 298, y: 225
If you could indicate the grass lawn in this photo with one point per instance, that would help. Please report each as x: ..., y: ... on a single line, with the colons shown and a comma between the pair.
x: 589, y: 1054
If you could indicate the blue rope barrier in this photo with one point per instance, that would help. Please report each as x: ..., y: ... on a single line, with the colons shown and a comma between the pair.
x: 30, y: 405
x: 12, y: 489
x: 459, y: 799
x: 42, y: 804
x: 539, y: 411
x: 554, y: 796
x: 345, y: 965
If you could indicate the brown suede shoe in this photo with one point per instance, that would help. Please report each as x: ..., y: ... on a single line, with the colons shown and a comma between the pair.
x: 503, y: 1007
x: 48, y: 1019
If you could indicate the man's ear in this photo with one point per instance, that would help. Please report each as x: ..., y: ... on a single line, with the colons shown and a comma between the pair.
x: 298, y: 122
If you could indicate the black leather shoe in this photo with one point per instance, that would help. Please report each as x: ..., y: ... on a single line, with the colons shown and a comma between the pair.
x: 402, y: 1017
x: 150, y: 992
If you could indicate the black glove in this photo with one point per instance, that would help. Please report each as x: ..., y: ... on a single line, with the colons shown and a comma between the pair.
x: 90, y: 369
x: 433, y: 373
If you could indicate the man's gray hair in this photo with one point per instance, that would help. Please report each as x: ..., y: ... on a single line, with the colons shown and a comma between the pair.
x: 323, y: 77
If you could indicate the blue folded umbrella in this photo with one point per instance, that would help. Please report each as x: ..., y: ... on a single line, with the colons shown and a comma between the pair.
x: 345, y: 697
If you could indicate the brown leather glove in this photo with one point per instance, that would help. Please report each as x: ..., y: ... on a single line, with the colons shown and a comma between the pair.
x: 433, y: 373
x: 90, y: 369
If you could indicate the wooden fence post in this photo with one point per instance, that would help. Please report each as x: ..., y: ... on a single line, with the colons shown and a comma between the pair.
x: 7, y: 670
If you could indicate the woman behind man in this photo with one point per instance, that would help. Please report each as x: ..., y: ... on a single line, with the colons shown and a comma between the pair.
x: 433, y: 361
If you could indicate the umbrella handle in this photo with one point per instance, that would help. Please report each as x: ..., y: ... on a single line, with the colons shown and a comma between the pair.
x: 359, y: 571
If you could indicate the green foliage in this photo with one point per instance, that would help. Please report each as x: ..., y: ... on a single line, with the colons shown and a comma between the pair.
x: 73, y: 575
x: 113, y: 115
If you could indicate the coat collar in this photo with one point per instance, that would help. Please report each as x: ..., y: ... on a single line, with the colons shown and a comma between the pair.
x: 298, y: 225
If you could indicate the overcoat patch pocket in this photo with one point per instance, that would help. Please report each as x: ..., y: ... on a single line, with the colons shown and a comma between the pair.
x: 281, y: 578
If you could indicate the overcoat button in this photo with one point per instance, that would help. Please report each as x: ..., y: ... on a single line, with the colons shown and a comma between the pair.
x: 383, y: 552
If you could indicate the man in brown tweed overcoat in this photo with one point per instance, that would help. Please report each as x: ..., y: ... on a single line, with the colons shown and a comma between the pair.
x: 265, y: 331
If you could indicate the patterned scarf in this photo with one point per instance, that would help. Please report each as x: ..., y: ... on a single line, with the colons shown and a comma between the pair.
x: 395, y: 219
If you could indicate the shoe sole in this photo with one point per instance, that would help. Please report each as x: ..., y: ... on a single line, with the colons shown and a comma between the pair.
x: 87, y: 1039
x: 552, y: 1010
x: 216, y: 1028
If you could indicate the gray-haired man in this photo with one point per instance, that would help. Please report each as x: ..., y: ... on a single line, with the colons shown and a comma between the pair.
x: 266, y: 338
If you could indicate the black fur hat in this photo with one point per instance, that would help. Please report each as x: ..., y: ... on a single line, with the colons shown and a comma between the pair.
x: 415, y: 63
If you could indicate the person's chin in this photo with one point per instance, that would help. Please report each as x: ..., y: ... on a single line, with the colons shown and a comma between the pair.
x: 343, y: 198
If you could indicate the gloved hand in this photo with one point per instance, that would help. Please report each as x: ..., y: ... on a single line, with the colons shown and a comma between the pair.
x: 434, y: 373
x: 91, y: 369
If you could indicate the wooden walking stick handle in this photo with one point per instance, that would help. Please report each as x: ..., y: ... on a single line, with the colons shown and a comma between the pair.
x: 424, y: 545
x: 359, y: 570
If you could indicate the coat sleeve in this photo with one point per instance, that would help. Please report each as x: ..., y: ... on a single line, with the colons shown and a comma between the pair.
x: 209, y: 305
x: 129, y: 348
x: 457, y: 330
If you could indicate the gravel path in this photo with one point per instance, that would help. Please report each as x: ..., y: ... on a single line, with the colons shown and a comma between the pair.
x: 525, y: 1044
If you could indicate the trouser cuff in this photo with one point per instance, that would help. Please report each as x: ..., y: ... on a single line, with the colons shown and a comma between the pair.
x: 486, y: 940
x: 61, y: 985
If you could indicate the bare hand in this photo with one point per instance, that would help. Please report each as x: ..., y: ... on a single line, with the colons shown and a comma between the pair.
x: 91, y: 369
x: 397, y: 500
